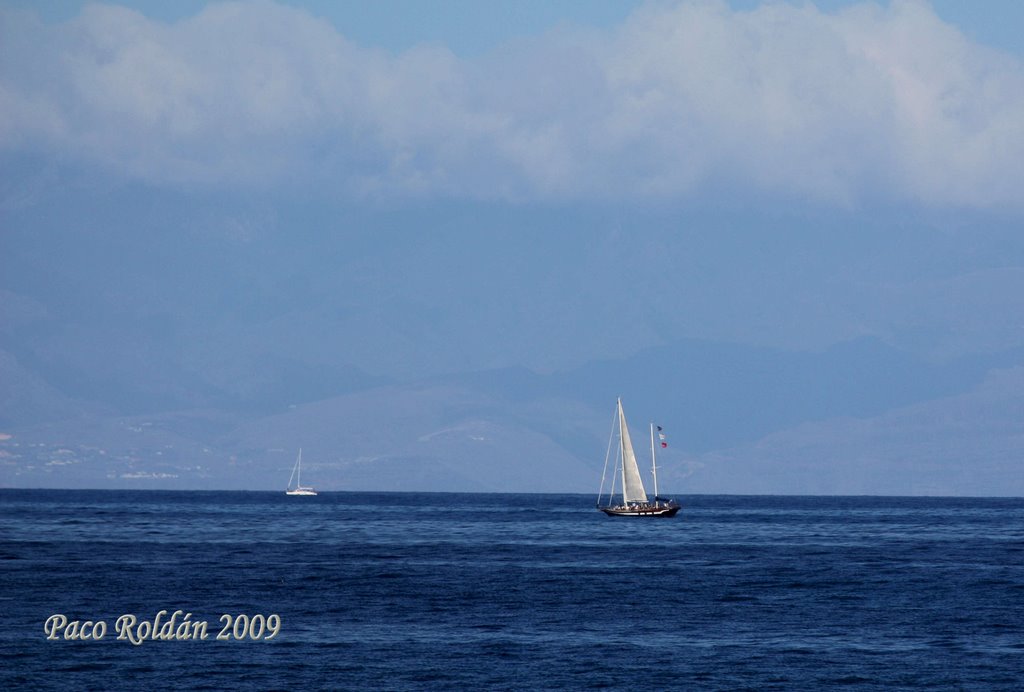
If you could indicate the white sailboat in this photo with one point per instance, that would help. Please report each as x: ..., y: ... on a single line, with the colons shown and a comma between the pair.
x: 297, y: 475
x: 634, y: 496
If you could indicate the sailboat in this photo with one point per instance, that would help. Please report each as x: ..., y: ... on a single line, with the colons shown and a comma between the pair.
x: 634, y: 497
x: 297, y: 475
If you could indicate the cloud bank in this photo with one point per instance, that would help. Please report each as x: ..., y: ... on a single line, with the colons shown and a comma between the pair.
x: 869, y: 103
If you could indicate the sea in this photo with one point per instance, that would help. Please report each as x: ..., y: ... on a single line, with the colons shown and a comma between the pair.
x: 409, y: 591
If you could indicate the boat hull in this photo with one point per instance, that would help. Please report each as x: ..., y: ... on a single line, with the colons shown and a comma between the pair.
x: 301, y: 491
x: 642, y: 511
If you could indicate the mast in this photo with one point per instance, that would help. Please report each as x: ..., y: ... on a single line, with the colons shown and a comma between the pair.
x: 654, y: 465
x: 298, y: 467
x: 622, y: 449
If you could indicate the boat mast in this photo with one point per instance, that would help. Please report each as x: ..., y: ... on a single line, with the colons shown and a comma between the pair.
x: 654, y: 465
x: 622, y: 449
x: 298, y: 467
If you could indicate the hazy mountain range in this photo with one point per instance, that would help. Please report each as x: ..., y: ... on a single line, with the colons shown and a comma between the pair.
x: 402, y: 351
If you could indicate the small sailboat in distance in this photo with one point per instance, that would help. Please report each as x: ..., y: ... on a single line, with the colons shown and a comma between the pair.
x: 634, y: 497
x: 297, y: 475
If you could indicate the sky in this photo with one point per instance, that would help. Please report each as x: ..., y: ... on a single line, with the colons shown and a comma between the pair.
x: 470, y: 28
x: 245, y: 207
x: 844, y: 104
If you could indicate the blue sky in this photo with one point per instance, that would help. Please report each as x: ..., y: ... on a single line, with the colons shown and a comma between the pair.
x: 469, y: 27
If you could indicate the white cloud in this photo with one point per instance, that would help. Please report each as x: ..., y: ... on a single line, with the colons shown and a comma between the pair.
x: 868, y: 103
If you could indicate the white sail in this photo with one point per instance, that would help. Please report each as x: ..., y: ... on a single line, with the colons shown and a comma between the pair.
x: 632, y: 484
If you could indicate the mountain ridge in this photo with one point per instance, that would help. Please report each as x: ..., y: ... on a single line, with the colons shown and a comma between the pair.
x: 515, y: 430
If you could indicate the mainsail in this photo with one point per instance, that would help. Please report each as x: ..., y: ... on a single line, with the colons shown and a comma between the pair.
x: 632, y: 484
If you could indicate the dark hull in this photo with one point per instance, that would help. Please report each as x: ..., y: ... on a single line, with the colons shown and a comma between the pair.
x: 642, y: 511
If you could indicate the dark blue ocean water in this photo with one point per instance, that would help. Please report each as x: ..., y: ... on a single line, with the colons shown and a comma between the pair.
x: 435, y: 591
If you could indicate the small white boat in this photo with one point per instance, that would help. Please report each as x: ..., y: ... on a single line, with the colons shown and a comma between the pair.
x: 297, y: 475
x: 634, y: 497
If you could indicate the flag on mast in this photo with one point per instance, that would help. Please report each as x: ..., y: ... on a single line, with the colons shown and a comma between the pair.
x: 661, y: 437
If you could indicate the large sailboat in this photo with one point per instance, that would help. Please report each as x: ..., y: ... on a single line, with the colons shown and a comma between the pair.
x: 297, y: 475
x: 634, y: 496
